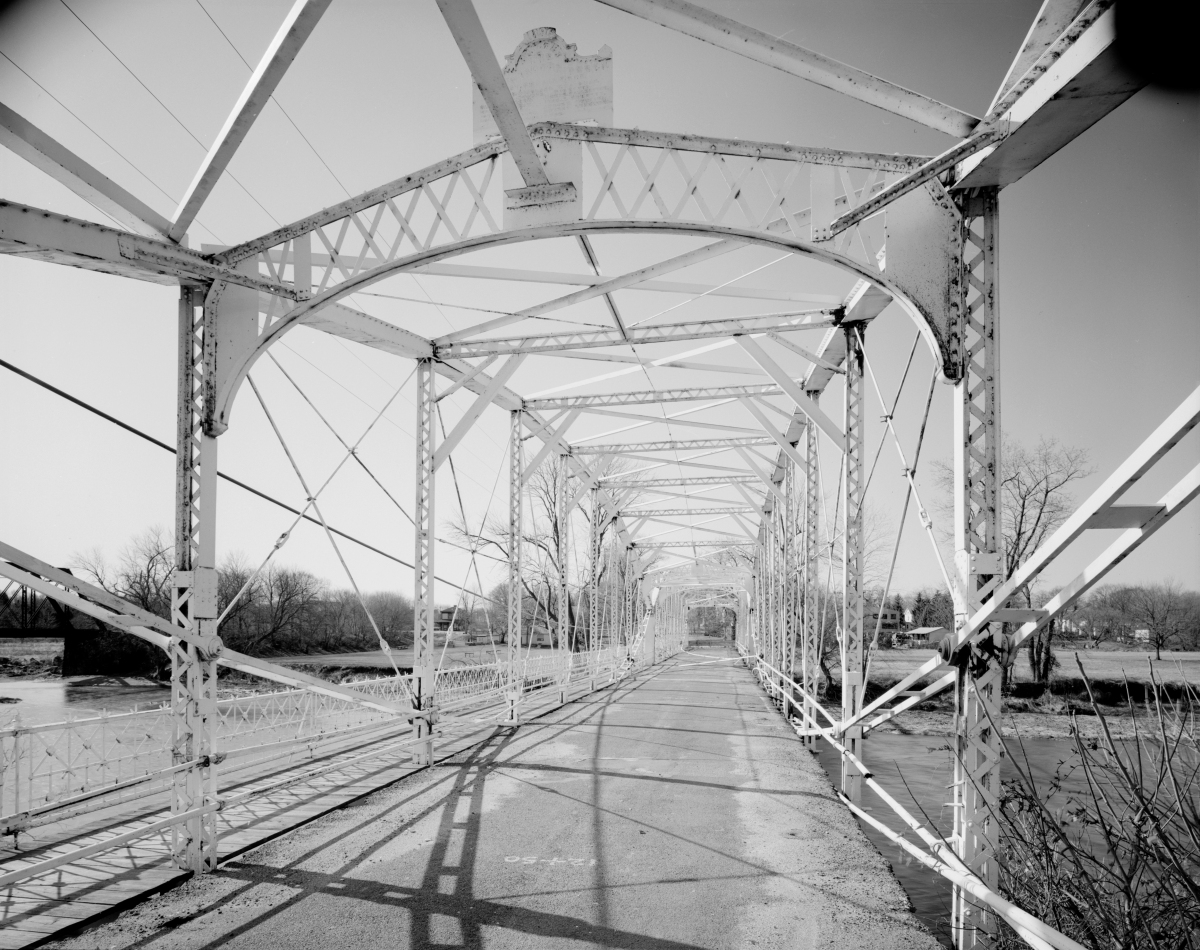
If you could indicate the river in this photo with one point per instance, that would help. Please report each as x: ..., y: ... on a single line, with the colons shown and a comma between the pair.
x: 917, y: 771
x: 78, y: 697
x: 908, y: 767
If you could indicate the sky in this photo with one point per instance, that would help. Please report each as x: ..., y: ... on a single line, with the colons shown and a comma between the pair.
x: 1099, y: 250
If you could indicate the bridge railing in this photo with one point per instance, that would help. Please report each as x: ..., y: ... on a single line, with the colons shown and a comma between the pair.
x: 93, y: 763
x: 56, y: 770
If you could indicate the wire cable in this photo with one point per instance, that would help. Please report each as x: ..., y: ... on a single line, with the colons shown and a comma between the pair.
x: 229, y: 478
x: 108, y: 144
x: 164, y: 105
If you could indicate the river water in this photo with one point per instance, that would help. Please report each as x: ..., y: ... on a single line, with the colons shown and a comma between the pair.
x: 77, y: 697
x: 916, y: 770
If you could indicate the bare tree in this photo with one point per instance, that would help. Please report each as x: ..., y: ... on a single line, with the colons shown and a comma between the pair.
x: 541, y: 533
x: 142, y: 574
x: 1035, y: 499
x: 1102, y: 615
x: 1164, y: 610
x: 1035, y: 494
x: 289, y: 597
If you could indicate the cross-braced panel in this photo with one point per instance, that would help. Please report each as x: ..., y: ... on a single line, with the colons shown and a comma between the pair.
x: 853, y: 478
x: 979, y: 558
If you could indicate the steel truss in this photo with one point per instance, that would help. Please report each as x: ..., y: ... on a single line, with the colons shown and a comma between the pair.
x: 979, y: 562
x: 653, y: 397
x: 669, y: 445
x: 424, y: 528
x: 923, y: 232
x: 853, y: 478
x: 515, y: 546
x: 194, y: 598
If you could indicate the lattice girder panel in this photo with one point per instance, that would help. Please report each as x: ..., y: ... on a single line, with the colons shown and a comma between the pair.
x: 782, y: 194
x: 748, y: 192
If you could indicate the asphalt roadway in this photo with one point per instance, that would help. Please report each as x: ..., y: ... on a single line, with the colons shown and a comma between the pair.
x: 675, y: 811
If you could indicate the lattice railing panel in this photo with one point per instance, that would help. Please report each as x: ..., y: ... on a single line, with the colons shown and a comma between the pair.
x: 43, y: 764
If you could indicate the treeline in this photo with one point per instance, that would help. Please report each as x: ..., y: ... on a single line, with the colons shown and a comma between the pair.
x: 1160, y: 616
x: 282, y: 610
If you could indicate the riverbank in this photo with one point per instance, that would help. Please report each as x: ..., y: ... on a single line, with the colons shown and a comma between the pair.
x: 1119, y: 680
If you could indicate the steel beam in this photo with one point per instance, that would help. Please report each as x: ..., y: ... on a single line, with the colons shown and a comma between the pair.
x: 424, y: 531
x: 553, y: 442
x: 675, y: 512
x: 67, y: 168
x: 563, y: 552
x: 763, y: 48
x: 978, y: 561
x: 194, y: 599
x: 595, y: 536
x: 476, y: 49
x: 601, y: 289
x: 669, y: 445
x: 661, y: 333
x: 770, y: 428
x: 515, y: 528
x: 1073, y: 84
x: 699, y: 480
x: 803, y: 401
x: 812, y: 634
x: 482, y: 401
x: 479, y: 272
x: 853, y: 483
x: 62, y: 239
x: 700, y: 543
x: 652, y: 396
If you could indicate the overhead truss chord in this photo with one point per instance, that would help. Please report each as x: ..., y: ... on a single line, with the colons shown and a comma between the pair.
x: 663, y: 333
x: 669, y: 445
x: 652, y: 396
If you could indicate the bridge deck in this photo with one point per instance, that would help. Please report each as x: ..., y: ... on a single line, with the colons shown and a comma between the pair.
x: 677, y: 810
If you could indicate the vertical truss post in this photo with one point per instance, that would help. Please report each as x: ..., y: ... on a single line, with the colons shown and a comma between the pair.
x: 194, y: 593
x: 752, y: 604
x: 772, y: 592
x: 630, y: 620
x: 423, y: 574
x: 811, y: 638
x: 852, y: 556
x: 760, y: 593
x: 791, y: 572
x: 514, y: 560
x: 594, y: 541
x: 978, y: 559
x: 781, y: 587
x: 613, y: 590
x: 564, y: 520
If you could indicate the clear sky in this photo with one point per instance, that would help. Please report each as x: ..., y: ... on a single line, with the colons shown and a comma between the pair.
x: 1099, y: 309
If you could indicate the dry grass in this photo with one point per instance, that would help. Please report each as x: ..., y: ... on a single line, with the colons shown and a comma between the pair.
x: 891, y: 665
x: 1108, y: 852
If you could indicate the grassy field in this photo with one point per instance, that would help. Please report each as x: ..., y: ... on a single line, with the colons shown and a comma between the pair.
x: 1099, y: 665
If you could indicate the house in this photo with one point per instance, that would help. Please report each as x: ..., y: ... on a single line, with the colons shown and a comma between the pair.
x: 538, y: 637
x: 925, y: 637
x: 892, y: 623
x: 444, y: 616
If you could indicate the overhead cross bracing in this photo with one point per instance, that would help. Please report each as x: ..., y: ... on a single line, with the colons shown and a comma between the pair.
x: 718, y: 284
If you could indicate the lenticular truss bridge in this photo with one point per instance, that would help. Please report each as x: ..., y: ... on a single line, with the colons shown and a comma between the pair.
x: 735, y: 515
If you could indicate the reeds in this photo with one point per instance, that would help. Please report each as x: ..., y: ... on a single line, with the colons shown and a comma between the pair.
x: 1108, y: 852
